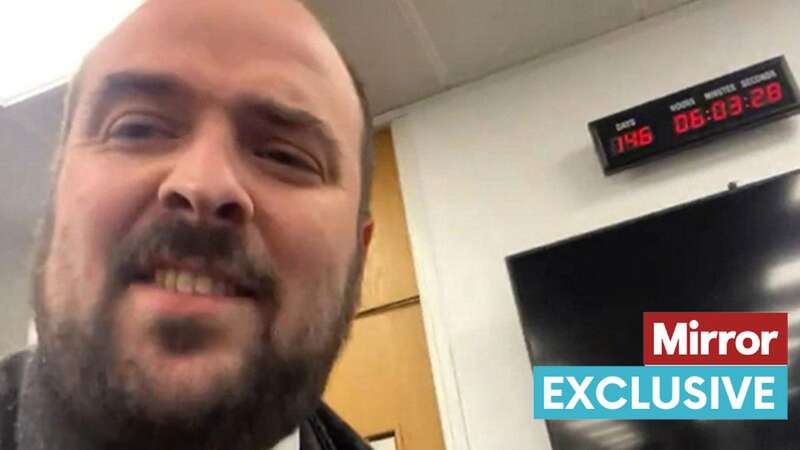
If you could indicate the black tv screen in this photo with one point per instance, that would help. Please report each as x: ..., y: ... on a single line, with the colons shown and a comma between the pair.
x: 581, y: 301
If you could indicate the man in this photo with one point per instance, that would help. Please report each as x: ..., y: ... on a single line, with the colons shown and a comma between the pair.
x: 201, y: 261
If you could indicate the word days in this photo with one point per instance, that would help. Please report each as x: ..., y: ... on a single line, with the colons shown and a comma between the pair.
x: 712, y: 366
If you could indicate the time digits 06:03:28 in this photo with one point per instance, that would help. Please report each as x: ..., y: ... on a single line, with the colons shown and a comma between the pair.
x: 724, y: 108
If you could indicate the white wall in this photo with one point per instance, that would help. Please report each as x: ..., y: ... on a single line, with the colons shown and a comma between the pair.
x: 506, y: 164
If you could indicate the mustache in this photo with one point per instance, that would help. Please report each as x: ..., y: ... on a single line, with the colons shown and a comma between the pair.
x: 217, y: 250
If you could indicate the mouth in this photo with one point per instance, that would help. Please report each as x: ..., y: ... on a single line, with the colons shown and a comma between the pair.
x: 192, y: 278
x: 187, y: 282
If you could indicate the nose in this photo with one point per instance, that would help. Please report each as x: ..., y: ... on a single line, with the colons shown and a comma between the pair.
x: 203, y: 186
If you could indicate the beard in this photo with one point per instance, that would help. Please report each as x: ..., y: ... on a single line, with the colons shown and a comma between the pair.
x: 114, y: 400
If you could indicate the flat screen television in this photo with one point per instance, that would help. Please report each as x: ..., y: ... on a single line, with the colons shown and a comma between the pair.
x: 580, y: 302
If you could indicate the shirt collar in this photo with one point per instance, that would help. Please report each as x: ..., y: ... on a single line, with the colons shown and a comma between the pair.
x: 290, y: 442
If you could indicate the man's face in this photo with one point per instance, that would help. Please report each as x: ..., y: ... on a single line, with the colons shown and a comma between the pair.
x: 206, y: 209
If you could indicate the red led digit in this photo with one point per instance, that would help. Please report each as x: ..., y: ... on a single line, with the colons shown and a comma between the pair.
x: 757, y: 97
x: 696, y: 118
x: 718, y: 110
x: 681, y: 123
x: 619, y: 145
x: 774, y: 92
x: 736, y: 105
x: 645, y: 136
x: 631, y: 140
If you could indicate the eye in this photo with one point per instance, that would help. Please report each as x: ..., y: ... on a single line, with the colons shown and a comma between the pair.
x: 287, y: 156
x: 140, y: 127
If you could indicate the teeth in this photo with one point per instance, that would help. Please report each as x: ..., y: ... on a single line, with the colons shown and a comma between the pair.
x: 169, y: 280
x: 185, y: 282
x: 191, y: 283
x: 202, y: 285
x: 160, y: 275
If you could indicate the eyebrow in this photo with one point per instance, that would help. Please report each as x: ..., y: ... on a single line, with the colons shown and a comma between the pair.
x: 119, y: 85
x: 156, y: 84
x: 277, y: 113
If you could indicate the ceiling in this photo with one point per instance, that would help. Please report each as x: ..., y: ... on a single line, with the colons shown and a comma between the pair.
x: 406, y: 50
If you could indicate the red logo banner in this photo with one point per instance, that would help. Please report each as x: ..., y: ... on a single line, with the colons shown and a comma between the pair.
x: 715, y: 338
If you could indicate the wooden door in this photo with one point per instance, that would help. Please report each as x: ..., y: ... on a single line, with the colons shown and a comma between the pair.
x: 382, y: 384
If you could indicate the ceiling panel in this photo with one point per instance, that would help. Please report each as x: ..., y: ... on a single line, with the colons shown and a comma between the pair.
x: 40, y: 114
x: 383, y: 46
x: 409, y: 49
x: 477, y: 37
x: 28, y: 136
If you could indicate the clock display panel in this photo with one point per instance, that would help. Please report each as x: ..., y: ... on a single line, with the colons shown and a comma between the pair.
x: 748, y: 97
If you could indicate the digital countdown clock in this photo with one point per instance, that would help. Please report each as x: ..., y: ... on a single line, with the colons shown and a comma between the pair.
x: 748, y: 97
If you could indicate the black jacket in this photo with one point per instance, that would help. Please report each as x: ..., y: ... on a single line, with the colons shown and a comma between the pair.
x: 324, y: 430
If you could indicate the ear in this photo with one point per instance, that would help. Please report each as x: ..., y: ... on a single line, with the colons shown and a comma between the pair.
x: 367, y: 228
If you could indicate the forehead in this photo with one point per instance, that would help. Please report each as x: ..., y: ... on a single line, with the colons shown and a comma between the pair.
x: 226, y: 49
